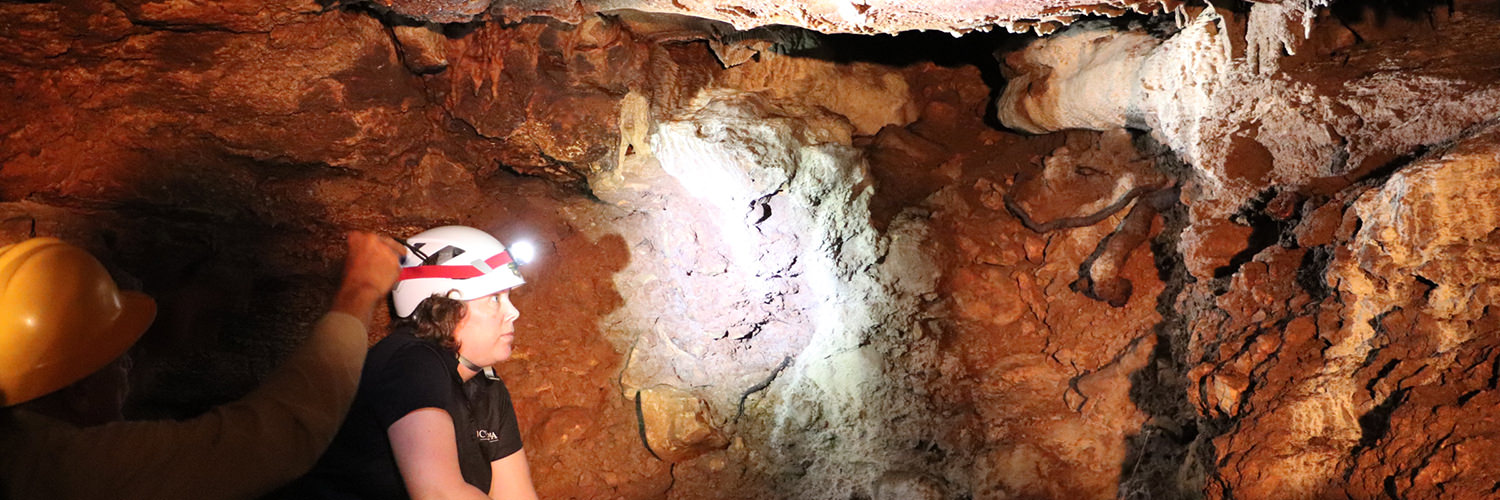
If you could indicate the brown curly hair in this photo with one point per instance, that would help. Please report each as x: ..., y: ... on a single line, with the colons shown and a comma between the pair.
x: 435, y: 319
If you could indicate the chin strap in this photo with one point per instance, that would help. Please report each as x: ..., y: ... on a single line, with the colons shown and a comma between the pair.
x: 488, y: 371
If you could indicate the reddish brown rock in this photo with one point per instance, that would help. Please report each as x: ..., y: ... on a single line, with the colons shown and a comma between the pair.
x: 1362, y: 394
x: 240, y: 16
x: 1319, y: 226
x: 1093, y: 177
x: 1049, y: 367
x: 906, y: 168
x: 211, y: 154
x: 1211, y: 246
x: 422, y: 48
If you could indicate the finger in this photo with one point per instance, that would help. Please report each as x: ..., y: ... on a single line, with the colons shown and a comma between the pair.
x: 361, y: 238
x: 367, y: 239
x: 393, y: 245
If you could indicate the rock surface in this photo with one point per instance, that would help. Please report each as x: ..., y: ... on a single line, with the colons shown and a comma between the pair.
x: 1342, y: 108
x: 789, y: 265
x: 828, y: 16
x: 1350, y: 368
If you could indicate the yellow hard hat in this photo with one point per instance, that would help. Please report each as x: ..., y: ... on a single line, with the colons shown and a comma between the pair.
x: 61, y: 318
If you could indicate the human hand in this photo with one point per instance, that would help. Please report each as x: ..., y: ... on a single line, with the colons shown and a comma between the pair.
x: 370, y: 271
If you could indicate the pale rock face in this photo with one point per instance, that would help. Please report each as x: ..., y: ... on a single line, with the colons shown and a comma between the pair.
x: 1416, y: 279
x: 828, y: 16
x: 1430, y: 231
x: 869, y: 96
x: 677, y: 425
x: 1277, y: 29
x: 1080, y: 78
x: 756, y: 285
x: 1241, y: 124
x: 909, y: 486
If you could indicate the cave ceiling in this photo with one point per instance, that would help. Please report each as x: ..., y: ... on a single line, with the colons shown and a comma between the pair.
x: 827, y: 16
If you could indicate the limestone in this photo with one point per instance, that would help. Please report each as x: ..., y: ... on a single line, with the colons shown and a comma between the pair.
x: 853, y: 16
x: 1358, y: 379
x: 678, y: 426
x: 752, y: 291
x: 1240, y: 128
x: 1429, y: 234
x: 1080, y: 78
x: 422, y: 48
x: 805, y: 270
x: 897, y: 485
x: 866, y: 95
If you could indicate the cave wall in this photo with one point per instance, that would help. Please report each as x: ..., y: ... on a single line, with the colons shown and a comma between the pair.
x: 211, y: 157
x: 1355, y: 360
x: 1337, y: 236
x: 1207, y: 272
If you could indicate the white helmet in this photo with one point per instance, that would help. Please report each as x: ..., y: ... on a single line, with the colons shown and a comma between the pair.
x: 459, y: 262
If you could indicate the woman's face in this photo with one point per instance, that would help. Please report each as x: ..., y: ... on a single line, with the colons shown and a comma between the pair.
x: 485, y: 334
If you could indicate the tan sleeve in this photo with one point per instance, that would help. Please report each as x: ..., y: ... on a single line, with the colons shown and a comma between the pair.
x: 242, y: 449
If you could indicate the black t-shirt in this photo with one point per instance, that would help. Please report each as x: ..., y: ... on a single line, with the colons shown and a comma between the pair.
x: 403, y: 374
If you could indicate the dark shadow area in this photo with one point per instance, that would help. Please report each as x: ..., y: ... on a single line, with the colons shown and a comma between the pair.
x: 1161, y: 461
x: 239, y: 273
x: 1381, y: 12
x: 1265, y: 231
x: 1311, y: 274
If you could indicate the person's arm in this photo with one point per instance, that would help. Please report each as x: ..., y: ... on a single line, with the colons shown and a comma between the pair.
x: 510, y: 478
x: 241, y: 449
x: 427, y: 455
x: 370, y: 271
x: 278, y: 431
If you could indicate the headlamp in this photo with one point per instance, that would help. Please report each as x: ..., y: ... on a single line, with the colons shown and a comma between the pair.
x: 523, y: 251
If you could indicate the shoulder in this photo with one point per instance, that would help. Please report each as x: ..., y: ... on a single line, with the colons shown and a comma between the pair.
x: 402, y: 345
x: 490, y: 397
x: 403, y: 375
x: 402, y: 354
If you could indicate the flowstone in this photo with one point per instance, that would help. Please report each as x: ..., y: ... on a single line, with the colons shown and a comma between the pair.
x: 758, y: 285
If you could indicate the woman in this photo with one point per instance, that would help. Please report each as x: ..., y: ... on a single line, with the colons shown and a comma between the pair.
x: 430, y: 419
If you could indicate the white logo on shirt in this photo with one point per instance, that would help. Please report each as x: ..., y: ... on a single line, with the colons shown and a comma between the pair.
x: 486, y: 436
